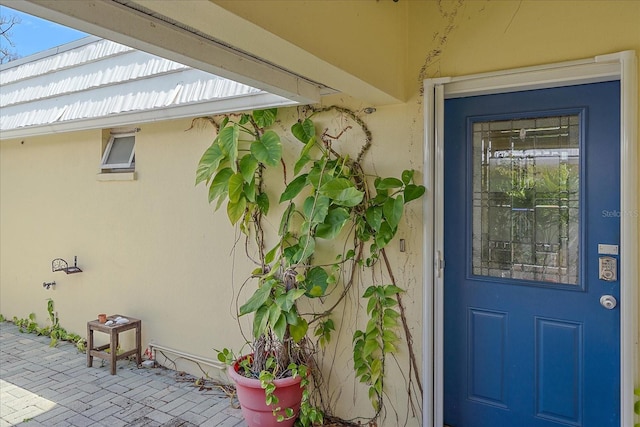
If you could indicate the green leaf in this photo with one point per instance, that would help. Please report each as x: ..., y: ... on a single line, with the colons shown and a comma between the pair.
x: 236, y: 184
x: 373, y: 215
x: 369, y: 291
x: 318, y: 176
x: 384, y: 235
x: 235, y: 210
x: 304, y: 155
x: 263, y: 203
x: 388, y: 347
x: 274, y: 313
x: 299, y: 330
x: 381, y: 198
x: 370, y: 345
x: 389, y: 336
x: 260, y: 321
x: 309, y: 145
x: 258, y: 299
x: 389, y: 322
x: 249, y: 191
x: 371, y: 305
x: 302, y: 161
x: 372, y: 394
x: 376, y: 369
x: 294, y: 188
x: 305, y: 228
x: 316, y: 210
x: 392, y: 210
x: 248, y: 166
x: 268, y: 149
x: 228, y: 138
x: 271, y: 255
x: 389, y: 302
x: 284, y: 302
x: 316, y: 282
x: 372, y: 325
x: 389, y: 312
x: 392, y: 290
x: 333, y: 223
x: 388, y: 183
x: 286, y: 217
x: 265, y: 118
x: 342, y: 191
x: 292, y: 316
x: 407, y: 176
x: 220, y: 184
x: 209, y: 162
x: 378, y: 385
x: 307, y: 246
x: 290, y: 298
x: 412, y: 192
x: 303, y: 131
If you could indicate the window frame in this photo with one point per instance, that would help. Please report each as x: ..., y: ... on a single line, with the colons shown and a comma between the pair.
x: 130, y: 165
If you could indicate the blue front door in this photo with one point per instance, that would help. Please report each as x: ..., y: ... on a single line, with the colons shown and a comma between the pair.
x: 531, y: 235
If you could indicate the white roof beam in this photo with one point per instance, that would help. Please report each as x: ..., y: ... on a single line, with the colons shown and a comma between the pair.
x: 124, y: 25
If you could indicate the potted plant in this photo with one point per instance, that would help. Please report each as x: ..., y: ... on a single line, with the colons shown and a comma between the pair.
x: 329, y: 200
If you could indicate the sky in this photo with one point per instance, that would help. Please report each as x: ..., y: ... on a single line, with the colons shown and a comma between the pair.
x: 33, y: 35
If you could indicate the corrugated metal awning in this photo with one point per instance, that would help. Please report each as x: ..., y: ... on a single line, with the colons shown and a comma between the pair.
x: 95, y: 83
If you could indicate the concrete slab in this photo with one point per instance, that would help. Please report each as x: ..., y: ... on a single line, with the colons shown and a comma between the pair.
x: 40, y: 385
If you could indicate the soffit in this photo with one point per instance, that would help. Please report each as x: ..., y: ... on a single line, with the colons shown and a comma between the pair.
x: 204, y: 35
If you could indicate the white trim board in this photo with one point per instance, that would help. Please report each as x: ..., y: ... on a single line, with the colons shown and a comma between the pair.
x: 620, y: 66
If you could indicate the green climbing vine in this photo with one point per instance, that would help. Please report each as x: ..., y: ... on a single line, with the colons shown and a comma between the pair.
x: 328, y: 203
x: 54, y: 330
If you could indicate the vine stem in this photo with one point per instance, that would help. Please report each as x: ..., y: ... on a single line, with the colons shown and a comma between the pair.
x: 405, y: 325
x: 345, y: 291
x: 367, y: 143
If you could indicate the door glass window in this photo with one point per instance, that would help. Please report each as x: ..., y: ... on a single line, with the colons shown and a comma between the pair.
x: 526, y: 199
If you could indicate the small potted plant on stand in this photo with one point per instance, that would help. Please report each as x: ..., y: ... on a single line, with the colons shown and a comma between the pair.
x: 327, y: 192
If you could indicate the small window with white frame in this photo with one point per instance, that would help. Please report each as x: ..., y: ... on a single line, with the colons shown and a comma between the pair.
x: 119, y: 153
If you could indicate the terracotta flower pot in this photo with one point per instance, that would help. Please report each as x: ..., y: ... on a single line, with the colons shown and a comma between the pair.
x: 252, y: 399
x: 102, y: 318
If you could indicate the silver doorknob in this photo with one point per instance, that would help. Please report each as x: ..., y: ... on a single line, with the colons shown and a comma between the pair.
x: 608, y: 301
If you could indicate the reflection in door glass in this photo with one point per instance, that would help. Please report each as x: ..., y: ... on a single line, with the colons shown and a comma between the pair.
x: 526, y: 199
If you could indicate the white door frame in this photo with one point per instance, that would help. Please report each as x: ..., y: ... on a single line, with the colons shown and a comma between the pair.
x: 620, y: 66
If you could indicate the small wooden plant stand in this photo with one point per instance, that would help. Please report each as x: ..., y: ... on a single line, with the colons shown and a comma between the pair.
x: 114, y: 330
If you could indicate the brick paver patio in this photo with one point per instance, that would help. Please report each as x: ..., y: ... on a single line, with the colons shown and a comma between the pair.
x: 45, y: 386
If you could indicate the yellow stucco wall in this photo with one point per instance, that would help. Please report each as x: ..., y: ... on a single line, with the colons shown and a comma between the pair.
x: 483, y: 36
x: 149, y: 248
x: 152, y: 247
